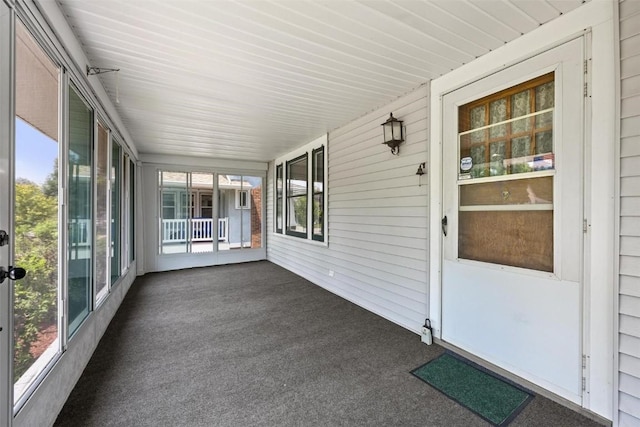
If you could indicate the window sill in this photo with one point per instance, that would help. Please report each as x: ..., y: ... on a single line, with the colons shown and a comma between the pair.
x: 301, y: 239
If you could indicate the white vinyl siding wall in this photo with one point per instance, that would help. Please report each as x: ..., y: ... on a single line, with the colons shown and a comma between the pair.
x: 629, y: 317
x: 377, y: 237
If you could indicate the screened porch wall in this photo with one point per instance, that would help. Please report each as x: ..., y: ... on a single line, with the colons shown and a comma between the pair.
x: 153, y: 259
x: 377, y: 217
x: 629, y: 298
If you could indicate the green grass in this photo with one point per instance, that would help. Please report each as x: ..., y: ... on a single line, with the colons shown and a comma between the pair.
x: 486, y: 395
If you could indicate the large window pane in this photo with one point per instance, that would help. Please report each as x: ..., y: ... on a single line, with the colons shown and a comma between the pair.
x: 174, y: 220
x: 297, y: 197
x: 116, y: 191
x: 252, y: 235
x: 102, y: 212
x: 203, y: 230
x: 80, y: 228
x: 278, y: 201
x: 318, y: 194
x: 35, y: 330
x: 132, y: 215
x: 239, y: 212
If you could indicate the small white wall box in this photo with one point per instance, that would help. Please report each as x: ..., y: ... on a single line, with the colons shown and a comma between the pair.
x: 427, y: 336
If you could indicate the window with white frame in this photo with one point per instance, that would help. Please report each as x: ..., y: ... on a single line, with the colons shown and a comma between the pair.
x: 297, y: 196
x: 300, y: 193
x: 278, y: 197
x: 243, y: 201
x: 317, y: 189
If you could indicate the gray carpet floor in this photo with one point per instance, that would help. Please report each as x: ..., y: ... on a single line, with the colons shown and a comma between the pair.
x: 255, y: 345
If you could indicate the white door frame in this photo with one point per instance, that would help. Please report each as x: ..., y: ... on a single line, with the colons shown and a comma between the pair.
x: 598, y: 318
x: 7, y: 133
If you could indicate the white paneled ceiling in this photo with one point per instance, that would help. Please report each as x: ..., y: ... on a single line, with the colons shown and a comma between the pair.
x: 252, y: 79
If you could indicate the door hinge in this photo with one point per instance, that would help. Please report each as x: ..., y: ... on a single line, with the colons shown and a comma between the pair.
x: 584, y: 361
x: 586, y: 90
x: 586, y: 66
x: 584, y: 384
x: 585, y: 228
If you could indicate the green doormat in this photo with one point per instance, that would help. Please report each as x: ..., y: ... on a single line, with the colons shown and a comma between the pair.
x: 484, y: 393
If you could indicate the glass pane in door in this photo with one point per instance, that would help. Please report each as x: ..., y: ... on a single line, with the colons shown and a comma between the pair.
x: 35, y: 310
x: 502, y: 219
x: 174, y: 219
x: 239, y: 212
x: 252, y: 214
x: 508, y: 222
x: 203, y: 232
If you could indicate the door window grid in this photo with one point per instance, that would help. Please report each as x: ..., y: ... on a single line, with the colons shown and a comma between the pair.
x: 508, y: 220
x: 508, y: 132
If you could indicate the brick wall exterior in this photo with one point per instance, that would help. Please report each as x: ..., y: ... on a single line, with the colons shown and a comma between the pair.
x: 256, y: 217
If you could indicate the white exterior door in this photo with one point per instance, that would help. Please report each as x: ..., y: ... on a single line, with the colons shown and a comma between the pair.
x: 513, y: 204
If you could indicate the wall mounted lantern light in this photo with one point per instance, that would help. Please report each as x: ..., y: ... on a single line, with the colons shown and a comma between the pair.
x: 393, y: 133
x: 421, y: 167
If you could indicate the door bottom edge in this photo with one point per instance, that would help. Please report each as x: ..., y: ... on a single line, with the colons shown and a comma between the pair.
x: 535, y: 388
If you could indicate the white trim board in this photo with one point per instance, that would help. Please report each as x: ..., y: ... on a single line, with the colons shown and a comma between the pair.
x: 596, y: 16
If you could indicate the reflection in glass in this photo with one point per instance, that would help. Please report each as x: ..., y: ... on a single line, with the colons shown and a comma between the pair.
x: 80, y: 226
x: 132, y: 210
x: 297, y: 197
x: 545, y: 96
x: 520, y: 147
x: 479, y: 164
x: 520, y: 106
x: 102, y: 213
x: 477, y: 120
x: 239, y: 212
x: 531, y: 191
x: 544, y: 142
x: 498, y: 113
x: 498, y: 152
x: 517, y: 155
x: 174, y: 221
x: 318, y: 194
x: 202, y: 227
x: 508, y: 222
x: 116, y: 190
x: 279, y: 195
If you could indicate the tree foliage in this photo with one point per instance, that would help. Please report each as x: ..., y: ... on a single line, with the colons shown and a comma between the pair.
x: 300, y: 210
x: 36, y: 250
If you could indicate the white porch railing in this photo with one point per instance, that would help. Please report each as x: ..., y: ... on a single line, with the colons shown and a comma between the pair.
x: 223, y: 230
x: 176, y: 230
